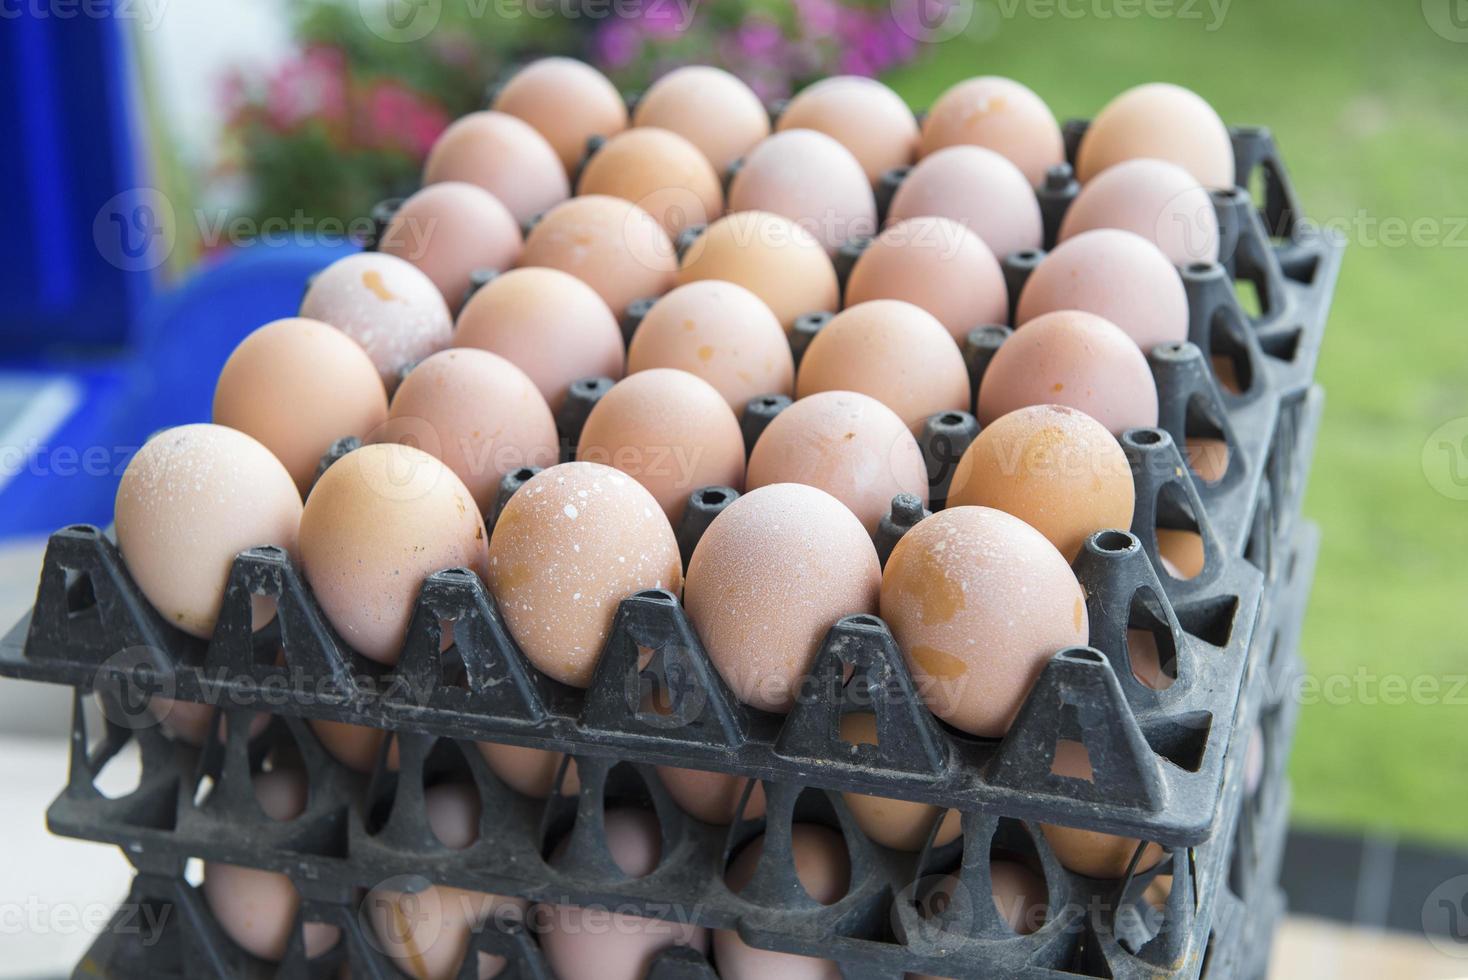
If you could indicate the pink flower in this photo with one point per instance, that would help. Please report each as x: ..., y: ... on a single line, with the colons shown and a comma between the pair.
x: 396, y: 116
x: 310, y: 86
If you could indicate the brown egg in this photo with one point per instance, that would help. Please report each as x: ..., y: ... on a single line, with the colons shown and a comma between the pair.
x: 297, y: 386
x: 769, y: 578
x: 1001, y: 115
x: 478, y: 413
x: 1018, y: 893
x: 1075, y: 359
x: 1157, y: 200
x: 823, y: 868
x: 861, y: 114
x: 720, y: 332
x: 385, y: 304
x: 257, y: 909
x: 936, y: 264
x: 979, y: 601
x: 607, y: 945
x: 188, y: 721
x: 1146, y: 660
x: 710, y: 108
x: 893, y: 351
x: 671, y: 431
x: 847, y: 444
x: 1207, y: 457
x: 1181, y: 552
x: 354, y: 746
x: 772, y: 257
x: 427, y: 933
x: 898, y: 824
x: 811, y: 179
x: 1055, y: 468
x: 570, y: 545
x: 1162, y: 121
x: 712, y: 797
x: 380, y: 521
x: 567, y: 101
x: 977, y: 188
x: 450, y: 229
x: 503, y: 155
x: 660, y: 172
x: 547, y: 323
x: 191, y: 499
x: 610, y: 244
x: 1116, y: 275
x: 1088, y: 852
x: 530, y: 772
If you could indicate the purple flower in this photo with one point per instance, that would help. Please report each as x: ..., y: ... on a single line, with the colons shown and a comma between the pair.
x: 759, y: 39
x: 617, y: 44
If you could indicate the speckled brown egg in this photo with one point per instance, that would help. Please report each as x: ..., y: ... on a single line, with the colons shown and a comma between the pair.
x: 503, y: 155
x: 847, y: 444
x: 1158, y: 200
x: 713, y: 797
x: 1002, y: 115
x: 1055, y: 468
x: 1162, y: 121
x: 898, y: 824
x: 566, y: 101
x: 669, y: 430
x: 257, y: 909
x: 547, y: 323
x: 530, y: 772
x: 478, y: 413
x: 610, y: 244
x: 720, y: 332
x: 1076, y: 359
x: 1116, y: 275
x: 975, y: 187
x: 1089, y: 852
x: 386, y: 305
x: 823, y: 868
x: 297, y: 386
x: 570, y: 545
x: 769, y: 255
x: 980, y: 601
x: 811, y: 179
x: 450, y: 229
x: 379, y: 521
x: 660, y: 172
x: 893, y: 351
x: 190, y: 500
x: 936, y: 264
x: 710, y: 108
x: 861, y: 114
x: 770, y: 577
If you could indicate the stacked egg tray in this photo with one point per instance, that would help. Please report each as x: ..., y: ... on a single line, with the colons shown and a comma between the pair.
x: 361, y: 832
x: 1166, y: 763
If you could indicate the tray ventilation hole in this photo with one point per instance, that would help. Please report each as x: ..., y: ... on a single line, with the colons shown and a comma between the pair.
x: 122, y: 774
x: 1207, y: 447
x: 1180, y: 548
x: 1072, y: 761
x: 1249, y: 297
x: 1231, y: 365
x: 81, y: 598
x: 1151, y: 649
x: 202, y: 791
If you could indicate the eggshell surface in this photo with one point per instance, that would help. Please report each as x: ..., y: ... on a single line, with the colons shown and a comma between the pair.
x: 549, y: 324
x: 660, y: 172
x: 811, y: 179
x: 979, y: 602
x: 898, y: 824
x: 503, y: 155
x: 1157, y: 200
x: 567, y: 102
x: 610, y: 244
x: 386, y: 305
x: 710, y: 108
x: 770, y: 576
x: 1088, y: 852
x: 1001, y: 115
x: 772, y: 257
x: 381, y: 520
x: 569, y: 546
x: 298, y: 386
x: 861, y: 114
x: 191, y: 499
x: 1164, y: 122
x: 450, y: 229
x: 977, y: 188
x: 712, y: 797
x: 1075, y: 359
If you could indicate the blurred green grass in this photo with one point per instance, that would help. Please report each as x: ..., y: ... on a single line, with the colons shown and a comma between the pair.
x: 1369, y: 105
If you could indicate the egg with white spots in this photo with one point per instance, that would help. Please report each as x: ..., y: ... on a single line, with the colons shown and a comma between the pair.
x: 570, y: 545
x: 386, y: 304
x: 979, y: 602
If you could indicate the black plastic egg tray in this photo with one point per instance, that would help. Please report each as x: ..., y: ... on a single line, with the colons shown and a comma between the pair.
x: 361, y: 832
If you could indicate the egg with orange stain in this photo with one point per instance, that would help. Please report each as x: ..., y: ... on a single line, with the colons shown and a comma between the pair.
x: 979, y: 602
